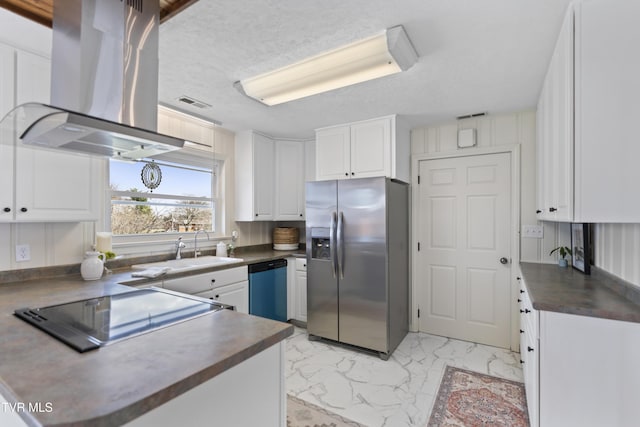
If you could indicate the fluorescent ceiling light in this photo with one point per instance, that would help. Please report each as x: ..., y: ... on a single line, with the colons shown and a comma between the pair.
x: 381, y: 55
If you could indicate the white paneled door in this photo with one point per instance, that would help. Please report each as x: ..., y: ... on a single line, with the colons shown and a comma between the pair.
x: 465, y: 258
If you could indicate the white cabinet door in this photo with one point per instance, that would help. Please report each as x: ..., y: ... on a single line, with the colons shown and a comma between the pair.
x: 289, y: 180
x: 333, y: 153
x: 301, y: 296
x: 371, y: 149
x: 46, y: 185
x: 7, y: 100
x: 55, y: 186
x: 254, y: 173
x: 236, y: 294
x: 607, y: 93
x: 555, y: 132
x: 263, y: 164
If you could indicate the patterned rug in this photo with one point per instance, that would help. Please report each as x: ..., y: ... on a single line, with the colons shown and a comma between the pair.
x: 304, y: 414
x: 467, y: 399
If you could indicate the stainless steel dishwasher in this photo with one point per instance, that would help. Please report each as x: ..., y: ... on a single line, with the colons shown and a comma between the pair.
x: 268, y: 289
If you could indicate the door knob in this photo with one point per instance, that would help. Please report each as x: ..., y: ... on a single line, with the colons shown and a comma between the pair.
x: 504, y: 260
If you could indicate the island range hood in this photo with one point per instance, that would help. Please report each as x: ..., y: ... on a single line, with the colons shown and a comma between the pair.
x: 104, y: 83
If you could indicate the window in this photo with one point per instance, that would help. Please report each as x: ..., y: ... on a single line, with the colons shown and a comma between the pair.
x: 184, y: 201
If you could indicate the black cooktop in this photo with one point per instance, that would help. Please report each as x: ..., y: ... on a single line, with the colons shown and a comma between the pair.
x: 92, y: 323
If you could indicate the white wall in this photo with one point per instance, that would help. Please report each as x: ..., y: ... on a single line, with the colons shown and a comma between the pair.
x: 495, y: 130
x: 617, y: 250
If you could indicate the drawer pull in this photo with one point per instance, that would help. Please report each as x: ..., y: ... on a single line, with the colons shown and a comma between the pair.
x: 526, y: 310
x: 217, y: 296
x: 521, y: 291
x: 23, y: 209
x: 538, y: 211
x: 518, y: 278
x: 529, y: 349
x: 552, y: 209
x: 213, y: 280
x: 7, y: 209
x: 521, y: 331
x: 522, y: 361
x: 519, y: 300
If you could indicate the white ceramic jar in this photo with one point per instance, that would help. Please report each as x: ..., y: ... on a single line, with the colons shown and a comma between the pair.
x: 92, y: 266
x: 221, y: 249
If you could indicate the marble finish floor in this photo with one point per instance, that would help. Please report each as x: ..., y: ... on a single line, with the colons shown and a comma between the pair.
x: 396, y: 393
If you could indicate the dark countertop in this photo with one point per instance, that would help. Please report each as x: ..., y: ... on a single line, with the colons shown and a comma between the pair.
x: 119, y: 382
x: 567, y: 290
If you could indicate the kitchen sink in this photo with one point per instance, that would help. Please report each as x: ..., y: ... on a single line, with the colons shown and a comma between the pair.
x: 186, y: 264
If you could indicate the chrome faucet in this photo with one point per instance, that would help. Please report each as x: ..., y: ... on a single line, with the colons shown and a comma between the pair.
x: 195, y: 241
x: 179, y: 247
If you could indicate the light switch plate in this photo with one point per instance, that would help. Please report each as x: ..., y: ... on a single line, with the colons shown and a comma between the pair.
x: 23, y: 253
x: 533, y: 231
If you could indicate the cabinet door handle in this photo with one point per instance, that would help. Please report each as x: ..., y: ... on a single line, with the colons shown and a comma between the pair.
x: 217, y: 296
x: 538, y: 211
x: 522, y: 361
x: 519, y: 300
x: 213, y: 280
x: 346, y: 174
x: 7, y: 209
x: 256, y: 215
x: 521, y: 291
x: 23, y: 209
x: 521, y: 331
x: 529, y: 349
x: 300, y: 215
x: 526, y: 310
x: 552, y: 209
x: 352, y: 174
x: 518, y: 278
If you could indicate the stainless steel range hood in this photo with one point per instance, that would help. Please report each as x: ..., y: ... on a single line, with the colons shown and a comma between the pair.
x: 104, y: 83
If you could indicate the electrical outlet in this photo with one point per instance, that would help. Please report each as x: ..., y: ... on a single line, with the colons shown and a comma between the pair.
x: 23, y: 253
x: 533, y: 231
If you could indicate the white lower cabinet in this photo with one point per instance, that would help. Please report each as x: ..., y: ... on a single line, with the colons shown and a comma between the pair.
x: 297, y: 289
x: 235, y: 294
x: 230, y: 286
x: 300, y: 303
x: 581, y: 371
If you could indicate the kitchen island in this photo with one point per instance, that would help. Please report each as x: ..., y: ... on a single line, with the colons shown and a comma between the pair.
x: 197, y: 368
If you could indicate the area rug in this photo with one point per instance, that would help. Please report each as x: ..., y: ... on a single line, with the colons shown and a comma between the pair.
x: 304, y: 414
x: 468, y: 399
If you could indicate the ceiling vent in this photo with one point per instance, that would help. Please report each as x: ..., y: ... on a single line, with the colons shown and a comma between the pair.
x: 471, y: 116
x: 193, y: 102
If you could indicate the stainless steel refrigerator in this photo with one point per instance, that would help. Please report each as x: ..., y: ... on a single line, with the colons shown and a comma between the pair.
x: 357, y: 236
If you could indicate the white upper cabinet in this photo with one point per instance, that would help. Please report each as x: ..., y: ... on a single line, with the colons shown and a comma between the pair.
x: 289, y: 180
x: 44, y: 185
x: 587, y: 154
x: 254, y: 177
x: 333, y: 153
x: 378, y: 147
x: 270, y: 177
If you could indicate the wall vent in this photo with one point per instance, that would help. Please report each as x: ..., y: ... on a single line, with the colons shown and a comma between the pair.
x: 193, y: 102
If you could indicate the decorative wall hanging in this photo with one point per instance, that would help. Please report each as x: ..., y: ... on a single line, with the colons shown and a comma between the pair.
x: 151, y: 176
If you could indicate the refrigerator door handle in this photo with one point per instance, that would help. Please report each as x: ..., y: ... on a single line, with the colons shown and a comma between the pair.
x: 332, y: 244
x: 341, y: 245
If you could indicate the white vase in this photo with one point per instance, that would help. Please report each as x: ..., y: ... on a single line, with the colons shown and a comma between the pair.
x: 92, y: 266
x: 562, y: 262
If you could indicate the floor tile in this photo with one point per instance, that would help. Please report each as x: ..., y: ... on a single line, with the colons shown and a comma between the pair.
x: 394, y: 393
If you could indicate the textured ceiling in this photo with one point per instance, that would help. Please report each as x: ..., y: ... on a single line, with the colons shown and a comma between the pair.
x: 475, y: 56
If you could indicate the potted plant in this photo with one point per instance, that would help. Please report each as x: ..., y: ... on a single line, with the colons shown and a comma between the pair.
x: 563, y: 251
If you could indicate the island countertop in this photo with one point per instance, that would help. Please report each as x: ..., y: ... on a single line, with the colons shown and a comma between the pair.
x: 119, y: 382
x: 566, y: 290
